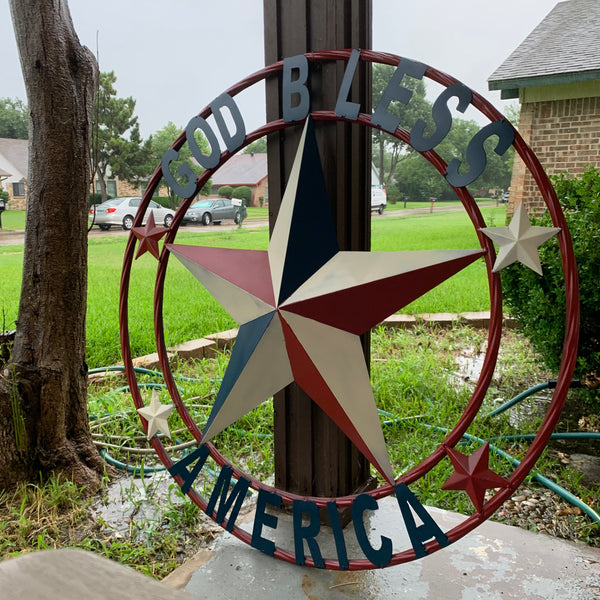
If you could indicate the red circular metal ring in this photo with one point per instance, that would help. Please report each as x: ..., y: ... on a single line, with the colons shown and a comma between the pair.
x: 572, y: 311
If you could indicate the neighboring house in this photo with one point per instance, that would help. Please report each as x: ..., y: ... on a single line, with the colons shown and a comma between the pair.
x: 13, y: 161
x: 13, y: 175
x: 244, y: 169
x: 555, y: 73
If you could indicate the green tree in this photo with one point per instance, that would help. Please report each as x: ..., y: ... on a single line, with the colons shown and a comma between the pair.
x: 117, y: 146
x: 257, y: 147
x: 14, y: 119
x: 419, y: 180
x: 161, y: 141
x: 387, y: 150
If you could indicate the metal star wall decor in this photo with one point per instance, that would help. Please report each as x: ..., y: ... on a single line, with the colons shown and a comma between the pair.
x: 519, y: 242
x: 473, y: 475
x: 303, y: 304
x: 149, y: 235
x: 157, y: 415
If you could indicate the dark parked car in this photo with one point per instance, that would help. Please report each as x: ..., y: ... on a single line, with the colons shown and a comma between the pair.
x: 212, y: 211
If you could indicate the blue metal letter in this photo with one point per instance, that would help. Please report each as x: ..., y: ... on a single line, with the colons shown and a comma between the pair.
x: 298, y: 86
x: 394, y: 91
x: 441, y: 116
x: 179, y: 468
x: 381, y: 557
x: 476, y: 152
x: 343, y: 107
x: 308, y: 532
x: 207, y: 161
x: 263, y: 518
x: 429, y: 529
x: 225, y: 503
x: 233, y: 142
x: 184, y: 170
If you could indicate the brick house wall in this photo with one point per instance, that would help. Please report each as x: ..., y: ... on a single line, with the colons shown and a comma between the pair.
x: 16, y: 202
x: 565, y: 136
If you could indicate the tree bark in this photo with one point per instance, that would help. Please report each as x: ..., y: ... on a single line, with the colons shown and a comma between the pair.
x: 43, y: 414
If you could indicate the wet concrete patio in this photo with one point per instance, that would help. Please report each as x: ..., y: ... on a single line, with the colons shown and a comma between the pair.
x: 494, y: 562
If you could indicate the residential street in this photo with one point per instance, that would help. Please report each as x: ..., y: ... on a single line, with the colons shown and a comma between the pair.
x: 12, y: 238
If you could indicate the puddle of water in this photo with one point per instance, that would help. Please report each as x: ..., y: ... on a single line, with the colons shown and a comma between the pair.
x: 130, y: 500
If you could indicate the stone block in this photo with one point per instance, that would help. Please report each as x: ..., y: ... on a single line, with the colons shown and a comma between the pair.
x: 224, y: 339
x: 150, y: 361
x: 197, y: 349
x: 439, y: 319
x: 400, y: 321
x: 479, y: 319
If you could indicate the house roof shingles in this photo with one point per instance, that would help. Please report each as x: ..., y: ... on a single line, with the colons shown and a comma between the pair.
x: 563, y: 48
x: 242, y: 169
x: 16, y: 152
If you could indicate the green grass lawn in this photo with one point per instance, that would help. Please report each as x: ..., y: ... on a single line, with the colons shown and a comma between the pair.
x: 191, y: 312
x: 13, y: 220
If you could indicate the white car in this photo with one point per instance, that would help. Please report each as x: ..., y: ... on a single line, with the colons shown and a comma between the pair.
x: 121, y: 211
x: 378, y: 199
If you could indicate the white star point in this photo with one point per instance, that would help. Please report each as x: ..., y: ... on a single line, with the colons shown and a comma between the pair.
x: 519, y: 242
x: 157, y: 415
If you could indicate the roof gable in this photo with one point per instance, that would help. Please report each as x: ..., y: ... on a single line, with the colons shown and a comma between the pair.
x: 242, y: 169
x: 563, y: 48
x: 16, y: 153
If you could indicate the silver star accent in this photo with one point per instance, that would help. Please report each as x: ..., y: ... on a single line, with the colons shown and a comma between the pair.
x: 519, y: 241
x: 157, y: 415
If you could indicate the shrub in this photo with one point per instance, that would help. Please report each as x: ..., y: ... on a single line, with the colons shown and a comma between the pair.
x: 167, y: 201
x: 538, y: 303
x: 243, y: 192
x: 226, y: 191
x: 95, y: 199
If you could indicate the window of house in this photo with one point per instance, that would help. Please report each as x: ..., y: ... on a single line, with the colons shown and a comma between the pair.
x: 111, y: 188
x: 18, y: 189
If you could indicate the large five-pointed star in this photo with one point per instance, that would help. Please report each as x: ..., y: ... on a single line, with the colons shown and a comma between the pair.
x: 519, y: 241
x: 303, y: 304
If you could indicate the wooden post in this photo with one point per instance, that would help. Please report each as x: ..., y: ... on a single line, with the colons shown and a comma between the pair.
x: 313, y: 456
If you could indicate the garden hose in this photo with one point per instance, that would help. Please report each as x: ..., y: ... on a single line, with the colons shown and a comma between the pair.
x: 576, y: 383
x: 551, y: 485
x: 391, y: 420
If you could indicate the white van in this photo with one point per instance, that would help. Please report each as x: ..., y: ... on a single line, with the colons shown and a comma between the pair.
x: 378, y: 199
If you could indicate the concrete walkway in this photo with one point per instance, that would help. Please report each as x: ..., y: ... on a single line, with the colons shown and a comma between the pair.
x: 495, y: 562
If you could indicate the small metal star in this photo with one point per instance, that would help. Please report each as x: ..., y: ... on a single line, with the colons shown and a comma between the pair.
x: 519, y: 241
x: 149, y: 236
x: 157, y: 415
x: 472, y: 474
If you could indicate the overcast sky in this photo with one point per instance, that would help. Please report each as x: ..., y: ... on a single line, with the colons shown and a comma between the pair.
x: 174, y: 57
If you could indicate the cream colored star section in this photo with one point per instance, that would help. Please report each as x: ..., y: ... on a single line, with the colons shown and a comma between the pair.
x: 157, y: 415
x: 519, y: 242
x: 342, y: 366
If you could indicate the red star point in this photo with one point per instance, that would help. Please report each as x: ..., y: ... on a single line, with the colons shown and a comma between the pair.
x: 473, y: 475
x: 149, y: 236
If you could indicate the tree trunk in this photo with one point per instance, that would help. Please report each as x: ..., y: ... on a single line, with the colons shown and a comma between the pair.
x: 101, y: 177
x: 43, y: 414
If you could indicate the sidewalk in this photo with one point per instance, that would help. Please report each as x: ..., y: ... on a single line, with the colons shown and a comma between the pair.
x: 494, y: 562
